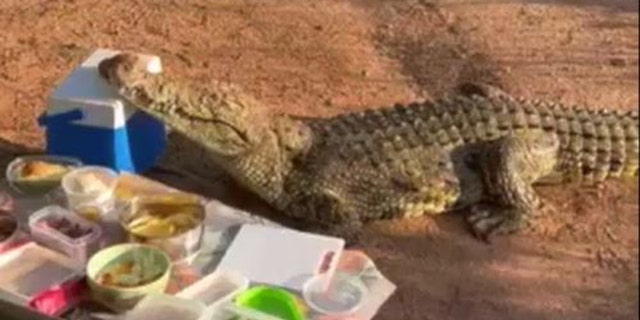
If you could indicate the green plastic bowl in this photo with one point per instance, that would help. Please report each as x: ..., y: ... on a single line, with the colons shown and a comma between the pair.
x: 272, y: 301
x: 122, y: 299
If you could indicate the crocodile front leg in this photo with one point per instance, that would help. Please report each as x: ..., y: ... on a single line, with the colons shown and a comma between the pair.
x: 509, y: 166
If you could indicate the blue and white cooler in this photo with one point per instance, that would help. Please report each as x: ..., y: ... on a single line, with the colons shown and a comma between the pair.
x: 88, y: 120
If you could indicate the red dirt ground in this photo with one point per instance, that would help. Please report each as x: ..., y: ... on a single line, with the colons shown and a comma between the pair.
x: 324, y: 57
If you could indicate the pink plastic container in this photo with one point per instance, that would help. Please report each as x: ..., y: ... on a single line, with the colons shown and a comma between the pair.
x: 64, y: 231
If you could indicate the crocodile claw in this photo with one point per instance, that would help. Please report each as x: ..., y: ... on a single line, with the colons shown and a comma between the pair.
x: 486, y: 222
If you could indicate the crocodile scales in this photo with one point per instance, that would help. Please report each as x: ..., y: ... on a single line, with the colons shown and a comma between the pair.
x: 481, y: 150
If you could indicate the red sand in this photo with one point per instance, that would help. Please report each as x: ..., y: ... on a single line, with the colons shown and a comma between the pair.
x: 324, y: 57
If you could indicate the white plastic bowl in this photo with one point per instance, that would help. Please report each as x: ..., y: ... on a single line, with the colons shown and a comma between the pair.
x: 102, y: 198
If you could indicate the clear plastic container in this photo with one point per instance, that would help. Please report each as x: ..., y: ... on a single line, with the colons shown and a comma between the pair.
x: 215, y: 290
x: 79, y: 248
x: 232, y: 312
x: 166, y: 307
x: 30, y: 269
x: 339, y: 295
x: 38, y: 186
x: 90, y: 189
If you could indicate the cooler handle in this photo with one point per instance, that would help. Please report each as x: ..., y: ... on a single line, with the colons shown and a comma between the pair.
x: 73, y: 115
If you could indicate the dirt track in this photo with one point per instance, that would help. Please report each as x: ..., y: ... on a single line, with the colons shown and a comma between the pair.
x: 324, y: 57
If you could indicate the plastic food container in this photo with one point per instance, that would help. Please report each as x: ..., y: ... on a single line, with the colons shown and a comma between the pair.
x: 38, y: 186
x: 172, y: 222
x: 63, y: 231
x: 166, y: 307
x: 90, y: 189
x: 339, y: 295
x: 215, y: 290
x: 31, y: 269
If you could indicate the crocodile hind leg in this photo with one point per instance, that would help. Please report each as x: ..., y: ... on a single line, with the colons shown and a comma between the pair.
x: 509, y: 166
x: 329, y: 213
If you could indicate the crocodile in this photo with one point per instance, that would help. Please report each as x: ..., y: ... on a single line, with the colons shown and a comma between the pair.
x: 479, y: 151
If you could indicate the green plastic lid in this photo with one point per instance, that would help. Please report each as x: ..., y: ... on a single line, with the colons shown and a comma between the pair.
x: 272, y: 301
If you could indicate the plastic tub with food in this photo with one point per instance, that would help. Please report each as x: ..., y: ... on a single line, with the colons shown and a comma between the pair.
x: 60, y: 229
x: 39, y: 174
x: 89, y: 190
x: 171, y: 222
x: 121, y: 275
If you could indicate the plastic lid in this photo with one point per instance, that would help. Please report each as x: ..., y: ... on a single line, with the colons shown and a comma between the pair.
x: 340, y: 295
x: 89, y: 180
x: 166, y: 307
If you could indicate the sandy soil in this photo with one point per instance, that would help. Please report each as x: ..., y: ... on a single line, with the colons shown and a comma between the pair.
x: 324, y: 57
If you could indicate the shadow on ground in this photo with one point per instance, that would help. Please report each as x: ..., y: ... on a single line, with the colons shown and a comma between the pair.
x: 624, y: 6
x: 10, y: 150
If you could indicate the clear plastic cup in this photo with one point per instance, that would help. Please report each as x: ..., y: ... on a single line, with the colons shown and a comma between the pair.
x: 80, y: 248
x: 90, y: 189
x: 339, y: 295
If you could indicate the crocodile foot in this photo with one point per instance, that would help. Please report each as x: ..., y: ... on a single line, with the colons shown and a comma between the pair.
x: 487, y: 221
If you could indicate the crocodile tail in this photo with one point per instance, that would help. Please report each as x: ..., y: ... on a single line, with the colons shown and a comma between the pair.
x: 595, y: 144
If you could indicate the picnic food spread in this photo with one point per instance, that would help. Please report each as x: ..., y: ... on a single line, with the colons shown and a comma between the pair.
x: 67, y: 264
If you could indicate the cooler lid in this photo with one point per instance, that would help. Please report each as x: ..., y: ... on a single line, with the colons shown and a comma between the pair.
x: 84, y: 89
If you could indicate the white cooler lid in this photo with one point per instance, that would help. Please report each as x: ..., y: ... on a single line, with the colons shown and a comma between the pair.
x: 85, y: 89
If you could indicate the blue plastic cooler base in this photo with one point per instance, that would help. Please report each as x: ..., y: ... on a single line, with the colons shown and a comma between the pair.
x: 134, y: 147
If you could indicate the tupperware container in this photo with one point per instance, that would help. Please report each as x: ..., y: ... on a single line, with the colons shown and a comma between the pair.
x: 31, y: 269
x: 90, y: 189
x: 166, y: 307
x: 215, y: 290
x: 39, y: 186
x: 81, y: 246
x: 172, y: 222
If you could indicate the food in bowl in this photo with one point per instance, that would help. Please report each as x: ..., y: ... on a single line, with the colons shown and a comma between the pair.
x: 90, y: 186
x: 37, y: 170
x: 89, y: 182
x: 119, y: 276
x: 39, y: 174
x: 126, y: 274
x: 164, y: 216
